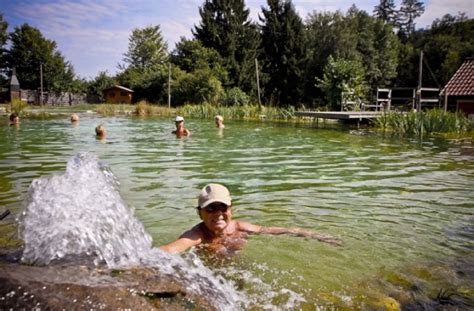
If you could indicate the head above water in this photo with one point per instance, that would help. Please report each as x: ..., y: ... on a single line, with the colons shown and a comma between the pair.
x: 74, y: 117
x: 100, y: 130
x: 212, y: 193
x: 14, y: 117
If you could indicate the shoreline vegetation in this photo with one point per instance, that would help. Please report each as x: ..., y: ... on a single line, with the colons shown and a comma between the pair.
x: 433, y: 122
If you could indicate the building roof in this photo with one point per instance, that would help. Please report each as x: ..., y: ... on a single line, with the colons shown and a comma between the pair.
x: 118, y: 87
x: 14, y: 79
x: 462, y: 82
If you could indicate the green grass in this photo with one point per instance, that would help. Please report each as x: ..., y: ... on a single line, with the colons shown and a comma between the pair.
x: 431, y: 122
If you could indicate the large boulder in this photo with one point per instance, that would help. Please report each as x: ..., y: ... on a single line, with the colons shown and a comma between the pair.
x: 78, y: 287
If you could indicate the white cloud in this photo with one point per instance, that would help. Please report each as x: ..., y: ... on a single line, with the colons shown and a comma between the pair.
x: 93, y: 35
x: 438, y: 8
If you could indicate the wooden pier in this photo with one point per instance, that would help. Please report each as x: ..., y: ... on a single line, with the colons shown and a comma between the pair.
x: 340, y: 115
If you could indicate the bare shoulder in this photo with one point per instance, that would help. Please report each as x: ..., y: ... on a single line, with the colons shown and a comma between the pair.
x: 188, y: 239
x: 248, y: 227
x: 195, y: 233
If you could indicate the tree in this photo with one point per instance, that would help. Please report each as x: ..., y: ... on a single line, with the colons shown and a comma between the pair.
x: 409, y: 11
x: 339, y: 76
x: 377, y: 47
x: 283, y: 44
x: 191, y: 55
x: 3, y: 40
x: 145, y: 69
x: 386, y: 11
x: 100, y: 82
x: 225, y: 27
x: 146, y: 49
x: 29, y: 49
x: 446, y: 44
x: 200, y: 86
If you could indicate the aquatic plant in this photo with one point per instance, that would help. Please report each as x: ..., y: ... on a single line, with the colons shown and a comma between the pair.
x: 18, y: 106
x: 144, y: 108
x: 113, y: 109
x: 434, y: 121
x: 243, y: 112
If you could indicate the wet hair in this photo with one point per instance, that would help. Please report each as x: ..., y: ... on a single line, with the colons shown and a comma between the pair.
x: 13, y: 116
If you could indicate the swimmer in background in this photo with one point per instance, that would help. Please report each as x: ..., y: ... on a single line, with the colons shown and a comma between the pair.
x: 14, y: 118
x: 219, y: 122
x: 100, y: 131
x: 74, y: 118
x: 180, y: 129
x: 222, y: 235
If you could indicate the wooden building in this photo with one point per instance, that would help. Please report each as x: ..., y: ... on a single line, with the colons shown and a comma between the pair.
x: 459, y: 91
x: 118, y: 95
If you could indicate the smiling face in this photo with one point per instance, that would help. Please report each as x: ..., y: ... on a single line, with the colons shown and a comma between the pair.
x: 216, y: 217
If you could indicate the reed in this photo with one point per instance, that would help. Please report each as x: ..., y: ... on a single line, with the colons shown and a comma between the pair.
x: 243, y: 112
x: 143, y: 108
x: 434, y: 121
x: 114, y: 109
x: 18, y: 106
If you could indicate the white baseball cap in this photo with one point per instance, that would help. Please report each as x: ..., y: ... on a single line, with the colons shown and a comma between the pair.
x: 214, y: 193
x: 179, y: 119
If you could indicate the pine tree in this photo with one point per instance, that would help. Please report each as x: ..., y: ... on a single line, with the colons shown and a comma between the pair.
x: 283, y: 43
x: 409, y: 11
x: 225, y: 27
x: 386, y: 11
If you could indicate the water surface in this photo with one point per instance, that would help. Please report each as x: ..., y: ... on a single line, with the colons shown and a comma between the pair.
x: 400, y: 206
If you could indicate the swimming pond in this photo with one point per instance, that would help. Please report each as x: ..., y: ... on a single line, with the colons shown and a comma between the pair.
x: 404, y: 208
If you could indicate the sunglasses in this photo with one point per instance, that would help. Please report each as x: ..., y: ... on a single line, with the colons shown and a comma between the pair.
x: 214, y: 208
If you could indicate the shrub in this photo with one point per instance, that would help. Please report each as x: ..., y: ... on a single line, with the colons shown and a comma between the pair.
x: 18, y: 106
x: 235, y: 97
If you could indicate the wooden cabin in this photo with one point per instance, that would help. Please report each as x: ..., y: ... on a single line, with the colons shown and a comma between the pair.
x: 459, y: 91
x: 118, y: 95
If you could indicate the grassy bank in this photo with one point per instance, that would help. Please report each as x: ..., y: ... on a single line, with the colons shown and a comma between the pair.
x: 244, y: 112
x: 431, y: 122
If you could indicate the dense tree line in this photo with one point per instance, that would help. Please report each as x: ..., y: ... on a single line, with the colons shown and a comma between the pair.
x: 308, y: 61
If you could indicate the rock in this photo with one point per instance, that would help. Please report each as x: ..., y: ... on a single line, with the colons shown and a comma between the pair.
x: 79, y: 287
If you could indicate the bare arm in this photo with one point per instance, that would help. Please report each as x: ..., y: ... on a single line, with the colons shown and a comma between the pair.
x: 251, y: 228
x: 186, y: 240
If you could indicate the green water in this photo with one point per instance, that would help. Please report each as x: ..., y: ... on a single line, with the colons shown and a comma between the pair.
x: 404, y: 208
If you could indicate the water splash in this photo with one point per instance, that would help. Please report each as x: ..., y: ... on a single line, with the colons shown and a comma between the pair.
x: 81, y: 213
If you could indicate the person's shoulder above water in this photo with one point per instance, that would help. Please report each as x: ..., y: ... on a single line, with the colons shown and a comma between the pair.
x: 180, y: 129
x: 218, y: 229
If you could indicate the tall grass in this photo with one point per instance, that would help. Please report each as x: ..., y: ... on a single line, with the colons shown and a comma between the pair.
x: 434, y: 121
x: 143, y: 108
x: 244, y: 112
x: 18, y: 106
x: 114, y: 109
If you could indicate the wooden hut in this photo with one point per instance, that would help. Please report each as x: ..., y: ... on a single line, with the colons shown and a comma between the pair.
x: 118, y: 95
x: 459, y: 90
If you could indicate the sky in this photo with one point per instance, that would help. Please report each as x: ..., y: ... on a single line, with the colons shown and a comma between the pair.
x: 93, y: 35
